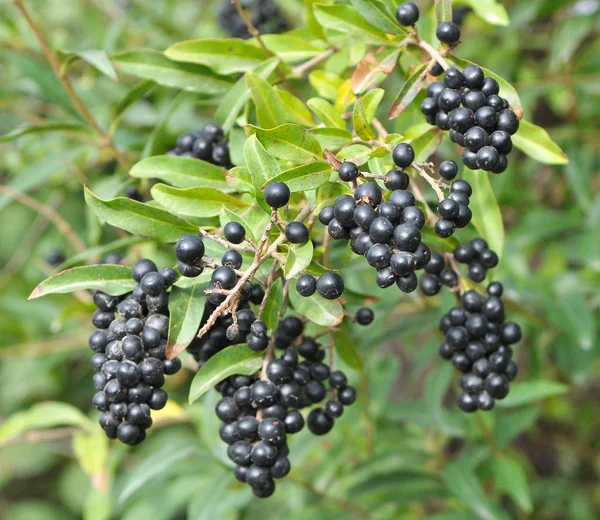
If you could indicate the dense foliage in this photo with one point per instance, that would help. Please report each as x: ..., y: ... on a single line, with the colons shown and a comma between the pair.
x: 328, y: 188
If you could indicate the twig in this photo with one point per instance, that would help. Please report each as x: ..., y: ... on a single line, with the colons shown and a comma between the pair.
x: 435, y: 54
x: 269, y: 286
x: 50, y: 213
x: 56, y: 68
x: 432, y: 182
x: 256, y: 34
x: 381, y: 130
x: 299, y: 70
x: 229, y: 245
x: 431, y: 219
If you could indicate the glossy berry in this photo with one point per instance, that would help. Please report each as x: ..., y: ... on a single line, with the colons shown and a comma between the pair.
x: 224, y: 277
x: 448, y: 170
x: 348, y: 171
x: 326, y: 215
x: 306, y: 285
x: 397, y: 180
x: 448, y: 32
x: 232, y: 258
x: 403, y: 155
x: 142, y: 267
x: 277, y: 194
x: 297, y: 233
x: 319, y: 423
x: 474, y: 77
x: 330, y: 285
x: 189, y: 250
x: 364, y: 316
x: 487, y: 158
x: 407, y: 14
x: 234, y: 232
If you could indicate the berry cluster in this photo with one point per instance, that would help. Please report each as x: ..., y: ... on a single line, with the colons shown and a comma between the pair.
x: 454, y: 211
x: 479, y: 258
x: 467, y: 103
x: 477, y: 341
x: 437, y: 273
x: 207, y: 144
x: 129, y: 353
x: 257, y: 414
x: 265, y: 16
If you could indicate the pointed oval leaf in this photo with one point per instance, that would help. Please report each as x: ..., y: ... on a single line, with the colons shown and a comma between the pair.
x: 136, y: 92
x: 270, y: 111
x: 139, y: 218
x: 289, y: 142
x: 491, y: 11
x: 347, y: 19
x: 271, y: 316
x: 182, y: 172
x: 64, y: 127
x: 443, y: 11
x: 408, y: 92
x: 326, y: 113
x: 379, y: 15
x: 153, y: 65
x: 230, y: 361
x: 260, y: 163
x: 254, y: 220
x: 509, y: 477
x: 111, y: 279
x: 305, y: 177
x: 346, y: 347
x: 194, y: 202
x: 525, y: 392
x: 298, y: 259
x: 332, y: 138
x: 534, y: 141
x: 186, y: 307
x: 317, y: 309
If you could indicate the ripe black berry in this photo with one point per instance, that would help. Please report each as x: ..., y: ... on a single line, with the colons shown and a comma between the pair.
x: 297, y: 233
x: 448, y: 170
x: 407, y: 14
x: 330, y: 285
x: 473, y: 77
x: 234, y: 232
x: 403, y: 155
x: 348, y: 171
x: 306, y: 285
x: 448, y: 32
x: 487, y: 158
x: 397, y: 180
x: 364, y: 316
x: 189, y: 250
x: 142, y: 267
x: 277, y: 194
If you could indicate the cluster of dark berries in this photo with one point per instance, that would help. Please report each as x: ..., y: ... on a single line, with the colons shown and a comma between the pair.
x: 386, y: 233
x: 207, y: 144
x: 329, y: 285
x: 437, y: 273
x: 258, y: 414
x: 447, y: 32
x: 478, y: 342
x: 189, y: 251
x: 479, y: 258
x: 130, y: 353
x: 454, y: 211
x: 265, y: 16
x: 467, y: 103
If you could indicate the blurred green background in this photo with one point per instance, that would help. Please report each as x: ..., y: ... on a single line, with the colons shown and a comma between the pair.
x: 404, y: 451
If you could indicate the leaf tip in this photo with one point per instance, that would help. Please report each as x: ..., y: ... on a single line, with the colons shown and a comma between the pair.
x: 36, y: 293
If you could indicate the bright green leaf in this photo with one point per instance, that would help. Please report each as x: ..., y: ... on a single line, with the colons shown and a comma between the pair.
x: 288, y: 142
x: 186, y: 307
x: 346, y: 346
x: 346, y: 19
x: 305, y: 177
x: 317, y: 309
x: 534, y: 141
x: 524, y: 392
x: 510, y: 478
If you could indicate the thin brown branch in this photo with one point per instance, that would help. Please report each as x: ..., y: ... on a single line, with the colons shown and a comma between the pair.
x: 435, y: 54
x: 432, y: 182
x: 299, y: 70
x: 229, y: 245
x: 50, y: 213
x: 269, y: 286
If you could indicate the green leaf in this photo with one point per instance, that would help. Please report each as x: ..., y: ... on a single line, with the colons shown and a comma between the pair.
x: 296, y: 111
x: 487, y: 217
x: 577, y: 320
x: 317, y: 309
x: 270, y: 111
x: 224, y: 56
x: 326, y: 113
x: 139, y: 218
x: 327, y: 193
x: 567, y: 37
x: 534, y: 141
x: 271, y: 316
x: 288, y: 142
x: 346, y: 346
x: 182, y: 172
x: 194, y: 202
x: 235, y: 100
x: 297, y: 259
x: 374, y: 68
x: 100, y: 251
x: 379, y: 15
x: 136, y: 92
x: 525, y: 392
x: 66, y: 127
x: 153, y: 65
x: 261, y: 165
x: 186, y: 307
x: 491, y: 11
x: 290, y: 48
x: 332, y: 138
x: 346, y: 19
x: 240, y: 180
x: 91, y: 451
x: 305, y: 177
x: 437, y: 243
x: 230, y: 361
x: 111, y: 279
x: 408, y: 92
x: 325, y: 83
x: 41, y: 417
x: 364, y: 112
x: 462, y: 482
x: 95, y: 57
x: 426, y: 144
x: 154, y: 466
x: 254, y: 220
x: 506, y: 89
x: 443, y: 11
x: 509, y: 477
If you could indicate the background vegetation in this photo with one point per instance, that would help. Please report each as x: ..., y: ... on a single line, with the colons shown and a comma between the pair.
x: 403, y: 452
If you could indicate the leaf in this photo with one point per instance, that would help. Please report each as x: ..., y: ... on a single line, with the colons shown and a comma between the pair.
x: 510, y: 478
x: 305, y: 177
x: 254, y: 220
x: 100, y: 251
x: 526, y: 392
x: 269, y: 108
x: 97, y: 58
x: 153, y: 65
x: 534, y: 141
x: 326, y: 113
x: 59, y: 126
x: 186, y: 307
x: 427, y: 143
x: 289, y: 142
x: 182, y: 172
x: 506, y: 89
x: 573, y: 311
x: 325, y: 83
x: 408, y: 92
x: 194, y: 202
x: 91, y: 451
x: 154, y: 466
x: 139, y: 218
x: 290, y: 48
x: 462, y: 482
x: 431, y: 238
x: 491, y: 11
x: 443, y: 11
x: 111, y: 279
x: 297, y: 259
x: 379, y: 15
x: 487, y: 217
x: 224, y: 56
x: 296, y: 111
x: 232, y: 360
x: 332, y: 138
x: 346, y: 346
x: 346, y: 19
x: 364, y: 112
x: 271, y: 316
x: 41, y: 417
x: 567, y: 37
x: 317, y: 309
x: 374, y: 68
x: 234, y: 101
x: 136, y: 92
x: 261, y: 165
